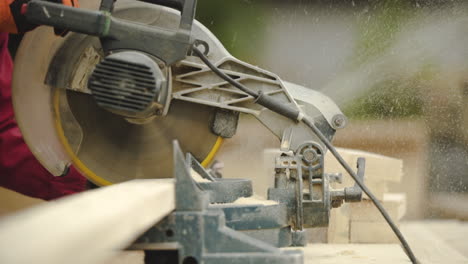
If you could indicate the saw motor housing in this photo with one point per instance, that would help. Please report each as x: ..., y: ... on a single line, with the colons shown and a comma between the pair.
x: 130, y: 84
x: 131, y: 69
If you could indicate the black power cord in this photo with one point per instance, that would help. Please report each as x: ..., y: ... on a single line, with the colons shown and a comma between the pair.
x: 294, y: 114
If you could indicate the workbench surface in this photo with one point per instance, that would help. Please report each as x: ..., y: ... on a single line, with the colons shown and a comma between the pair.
x: 441, y: 241
x: 433, y: 242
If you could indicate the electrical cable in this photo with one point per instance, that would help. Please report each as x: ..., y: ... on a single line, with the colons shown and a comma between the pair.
x: 364, y: 188
x: 295, y: 115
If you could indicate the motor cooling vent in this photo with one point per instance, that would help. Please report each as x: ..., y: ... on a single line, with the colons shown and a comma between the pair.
x: 127, y: 83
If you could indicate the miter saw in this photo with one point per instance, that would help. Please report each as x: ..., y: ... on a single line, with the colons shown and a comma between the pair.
x: 137, y: 84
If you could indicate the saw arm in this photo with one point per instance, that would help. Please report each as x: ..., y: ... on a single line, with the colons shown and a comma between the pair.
x: 192, y: 81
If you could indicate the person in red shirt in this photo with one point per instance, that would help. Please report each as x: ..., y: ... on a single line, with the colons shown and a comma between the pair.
x: 19, y: 169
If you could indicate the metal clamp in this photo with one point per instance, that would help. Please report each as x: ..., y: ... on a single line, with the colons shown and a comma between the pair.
x: 350, y: 194
x: 194, y: 233
x: 354, y: 194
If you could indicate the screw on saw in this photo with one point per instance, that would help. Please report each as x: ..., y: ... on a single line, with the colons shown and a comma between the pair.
x: 339, y: 121
x: 309, y: 155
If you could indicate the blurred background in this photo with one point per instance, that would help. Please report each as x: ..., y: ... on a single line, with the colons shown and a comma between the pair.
x: 397, y: 68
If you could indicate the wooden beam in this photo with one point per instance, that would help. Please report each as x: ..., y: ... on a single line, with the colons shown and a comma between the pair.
x: 319, y: 254
x: 12, y: 202
x: 354, y: 254
x: 85, y: 228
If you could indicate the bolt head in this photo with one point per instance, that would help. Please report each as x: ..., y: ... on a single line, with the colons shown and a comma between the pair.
x: 339, y: 121
x: 309, y: 155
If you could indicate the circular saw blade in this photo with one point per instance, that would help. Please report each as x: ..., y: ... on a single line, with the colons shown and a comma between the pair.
x: 106, y: 148
x: 116, y: 150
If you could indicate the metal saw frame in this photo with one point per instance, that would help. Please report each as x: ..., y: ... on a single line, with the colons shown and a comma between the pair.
x: 300, y: 162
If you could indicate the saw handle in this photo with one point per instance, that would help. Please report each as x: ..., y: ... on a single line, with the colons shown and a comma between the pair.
x: 108, y: 5
x: 176, y: 4
x: 186, y: 7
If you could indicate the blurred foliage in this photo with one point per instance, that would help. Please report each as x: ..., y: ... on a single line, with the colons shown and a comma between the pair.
x: 239, y: 24
x: 378, y: 26
x: 393, y: 98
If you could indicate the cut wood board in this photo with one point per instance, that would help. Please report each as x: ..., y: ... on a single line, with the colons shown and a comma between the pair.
x: 12, y: 202
x: 378, y: 166
x: 394, y: 204
x: 85, y: 228
x: 127, y: 257
x: 367, y: 224
x: 338, y: 230
x: 317, y: 254
x: 354, y: 254
x: 428, y: 247
x: 363, y: 223
x: 380, y: 170
x: 371, y: 232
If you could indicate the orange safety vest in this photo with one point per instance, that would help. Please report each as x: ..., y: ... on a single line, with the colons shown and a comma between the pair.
x: 7, y: 23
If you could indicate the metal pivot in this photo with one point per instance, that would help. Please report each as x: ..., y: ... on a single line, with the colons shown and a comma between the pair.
x: 310, y: 202
x: 301, y: 184
x: 194, y: 234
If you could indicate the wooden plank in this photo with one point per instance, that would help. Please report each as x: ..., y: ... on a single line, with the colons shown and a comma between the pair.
x: 391, y: 138
x: 428, y: 247
x: 367, y: 224
x: 127, y: 257
x: 380, y: 170
x: 394, y: 203
x: 338, y: 230
x: 379, y: 167
x: 85, y: 228
x: 354, y: 254
x: 12, y: 202
x: 371, y: 232
x: 317, y: 254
